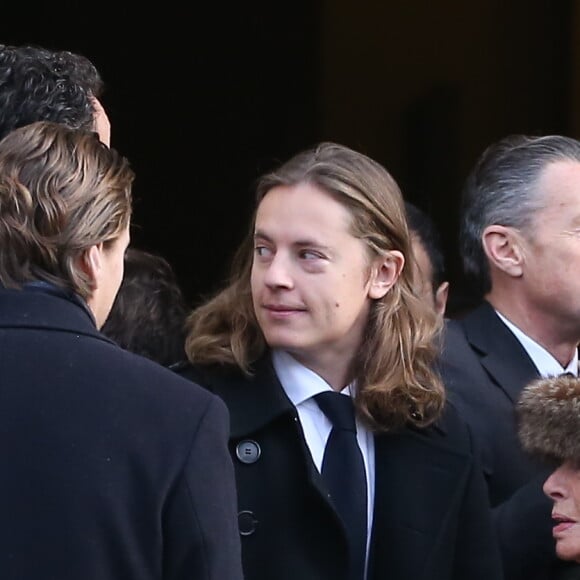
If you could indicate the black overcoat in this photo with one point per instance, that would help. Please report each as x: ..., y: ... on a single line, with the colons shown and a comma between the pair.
x: 113, y: 468
x: 431, y: 516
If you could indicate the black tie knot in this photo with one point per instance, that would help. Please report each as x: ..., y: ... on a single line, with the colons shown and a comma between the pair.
x: 338, y: 408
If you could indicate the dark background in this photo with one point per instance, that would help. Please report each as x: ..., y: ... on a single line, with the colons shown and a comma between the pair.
x: 203, y: 100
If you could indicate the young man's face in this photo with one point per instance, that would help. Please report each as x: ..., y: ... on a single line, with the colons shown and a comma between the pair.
x: 312, y: 281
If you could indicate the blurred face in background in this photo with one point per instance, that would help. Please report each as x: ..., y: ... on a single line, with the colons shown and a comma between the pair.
x: 424, y: 278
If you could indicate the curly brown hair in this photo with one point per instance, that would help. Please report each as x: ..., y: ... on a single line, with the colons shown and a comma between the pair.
x: 39, y: 84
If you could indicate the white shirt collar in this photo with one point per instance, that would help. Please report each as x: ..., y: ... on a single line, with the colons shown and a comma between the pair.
x: 298, y: 381
x: 300, y: 385
x: 546, y: 364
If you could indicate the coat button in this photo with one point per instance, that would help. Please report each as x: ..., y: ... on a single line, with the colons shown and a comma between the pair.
x: 247, y: 523
x: 248, y: 451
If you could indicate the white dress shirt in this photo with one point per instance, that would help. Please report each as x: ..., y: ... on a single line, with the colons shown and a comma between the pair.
x: 301, y: 385
x: 546, y: 364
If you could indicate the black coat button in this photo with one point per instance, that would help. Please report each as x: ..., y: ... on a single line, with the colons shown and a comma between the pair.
x: 248, y: 451
x: 247, y: 523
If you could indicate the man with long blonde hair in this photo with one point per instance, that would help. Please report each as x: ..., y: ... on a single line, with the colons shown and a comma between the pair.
x: 321, y: 312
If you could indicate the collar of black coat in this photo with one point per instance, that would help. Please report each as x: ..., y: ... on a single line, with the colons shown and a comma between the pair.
x: 47, y: 307
x: 257, y: 400
x: 253, y: 401
x: 45, y: 287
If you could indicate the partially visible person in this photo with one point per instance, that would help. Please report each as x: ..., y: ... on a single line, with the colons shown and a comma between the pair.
x: 520, y: 244
x: 320, y: 313
x: 429, y: 257
x: 549, y: 427
x: 39, y: 84
x: 149, y: 312
x: 113, y: 466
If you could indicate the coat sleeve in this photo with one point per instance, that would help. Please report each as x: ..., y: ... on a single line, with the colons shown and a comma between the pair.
x: 200, y: 524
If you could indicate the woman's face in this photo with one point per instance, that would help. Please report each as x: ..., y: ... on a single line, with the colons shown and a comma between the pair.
x: 563, y: 487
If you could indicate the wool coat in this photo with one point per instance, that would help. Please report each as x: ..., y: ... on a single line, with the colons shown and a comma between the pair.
x: 431, y: 515
x: 113, y: 468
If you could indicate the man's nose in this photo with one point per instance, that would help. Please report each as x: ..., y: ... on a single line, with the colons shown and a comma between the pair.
x: 278, y: 272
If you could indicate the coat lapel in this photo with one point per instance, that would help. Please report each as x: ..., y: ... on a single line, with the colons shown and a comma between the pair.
x: 495, y: 344
x: 256, y: 402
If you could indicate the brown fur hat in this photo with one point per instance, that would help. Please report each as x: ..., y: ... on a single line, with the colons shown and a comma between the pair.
x: 548, y: 415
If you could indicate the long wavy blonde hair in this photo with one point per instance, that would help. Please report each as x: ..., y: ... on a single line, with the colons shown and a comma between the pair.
x: 394, y: 368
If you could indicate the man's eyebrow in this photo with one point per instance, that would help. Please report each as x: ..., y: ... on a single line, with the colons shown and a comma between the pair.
x: 300, y: 243
x: 263, y: 235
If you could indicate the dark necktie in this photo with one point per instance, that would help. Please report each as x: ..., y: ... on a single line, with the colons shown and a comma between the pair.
x: 344, y: 473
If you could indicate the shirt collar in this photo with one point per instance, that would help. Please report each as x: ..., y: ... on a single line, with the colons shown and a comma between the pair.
x: 546, y: 364
x: 298, y: 381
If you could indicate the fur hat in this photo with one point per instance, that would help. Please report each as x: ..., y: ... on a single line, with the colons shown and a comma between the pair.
x: 548, y: 415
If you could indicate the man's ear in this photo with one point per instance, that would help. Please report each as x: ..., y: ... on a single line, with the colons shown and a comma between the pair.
x: 101, y: 122
x: 385, y: 273
x: 91, y: 263
x: 503, y: 247
x: 441, y: 295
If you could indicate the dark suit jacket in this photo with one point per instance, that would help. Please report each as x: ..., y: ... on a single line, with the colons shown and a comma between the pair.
x: 431, y: 517
x: 485, y: 368
x: 112, y: 466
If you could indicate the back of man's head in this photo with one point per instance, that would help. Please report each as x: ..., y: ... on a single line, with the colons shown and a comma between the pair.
x: 38, y: 84
x: 62, y: 192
